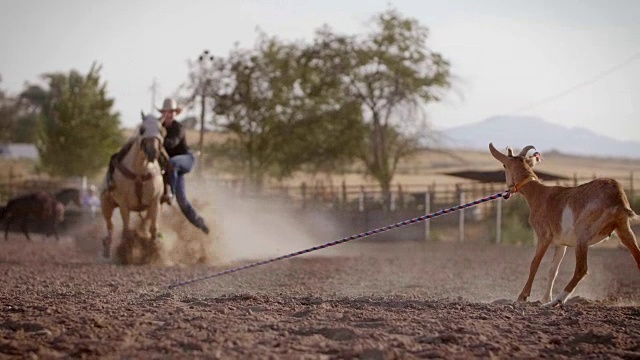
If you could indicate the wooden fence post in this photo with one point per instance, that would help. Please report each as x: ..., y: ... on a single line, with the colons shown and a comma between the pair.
x: 461, y: 229
x: 499, y: 221
x: 344, y: 194
x: 303, y: 189
x: 427, y: 210
x: 631, y: 189
x: 392, y: 201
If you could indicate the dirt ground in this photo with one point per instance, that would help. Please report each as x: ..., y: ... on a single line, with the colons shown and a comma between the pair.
x: 367, y: 299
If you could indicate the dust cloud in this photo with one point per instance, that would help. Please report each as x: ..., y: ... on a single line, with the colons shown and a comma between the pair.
x: 242, y: 228
x: 255, y: 228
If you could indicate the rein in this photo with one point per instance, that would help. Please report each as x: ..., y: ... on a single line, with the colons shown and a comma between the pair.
x: 504, y: 194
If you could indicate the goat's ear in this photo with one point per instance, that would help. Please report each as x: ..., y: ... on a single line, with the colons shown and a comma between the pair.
x: 509, y: 151
x: 534, y: 159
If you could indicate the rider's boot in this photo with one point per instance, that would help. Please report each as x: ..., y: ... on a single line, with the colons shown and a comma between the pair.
x: 167, y: 196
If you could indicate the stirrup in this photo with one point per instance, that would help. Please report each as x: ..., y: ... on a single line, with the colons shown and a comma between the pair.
x: 166, y: 199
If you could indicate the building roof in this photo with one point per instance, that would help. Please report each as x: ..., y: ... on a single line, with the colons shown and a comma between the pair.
x: 19, y: 151
x: 498, y: 176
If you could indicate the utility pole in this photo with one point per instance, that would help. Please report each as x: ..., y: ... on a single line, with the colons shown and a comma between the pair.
x: 205, y: 60
x: 154, y: 89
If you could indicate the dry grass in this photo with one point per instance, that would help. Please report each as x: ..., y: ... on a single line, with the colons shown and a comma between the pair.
x: 429, y: 166
x: 424, y: 168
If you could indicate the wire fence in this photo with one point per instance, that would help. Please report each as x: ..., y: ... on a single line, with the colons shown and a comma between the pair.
x: 353, y: 209
x: 359, y: 208
x: 402, y: 196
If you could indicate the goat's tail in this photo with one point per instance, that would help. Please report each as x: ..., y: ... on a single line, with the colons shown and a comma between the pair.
x: 632, y: 215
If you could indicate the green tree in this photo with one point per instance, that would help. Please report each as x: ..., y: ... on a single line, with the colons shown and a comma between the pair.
x: 17, y: 124
x: 325, y: 103
x: 78, y: 129
x: 283, y: 116
x: 393, y: 73
x: 8, y: 113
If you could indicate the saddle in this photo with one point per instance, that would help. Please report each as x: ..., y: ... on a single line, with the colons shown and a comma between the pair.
x: 116, y: 162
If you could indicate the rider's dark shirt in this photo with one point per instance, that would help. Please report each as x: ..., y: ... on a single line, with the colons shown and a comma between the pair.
x: 175, y: 142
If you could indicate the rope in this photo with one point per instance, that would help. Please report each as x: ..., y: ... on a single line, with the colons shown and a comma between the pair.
x: 504, y: 195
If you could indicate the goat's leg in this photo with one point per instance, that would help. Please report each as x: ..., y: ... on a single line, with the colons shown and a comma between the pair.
x: 628, y: 239
x: 582, y: 248
x: 558, y: 255
x: 541, y: 248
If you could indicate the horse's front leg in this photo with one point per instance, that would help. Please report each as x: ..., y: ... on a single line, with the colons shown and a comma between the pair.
x: 126, y: 215
x: 152, y: 219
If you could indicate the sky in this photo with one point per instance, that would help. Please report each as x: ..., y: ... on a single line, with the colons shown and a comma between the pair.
x: 570, y: 62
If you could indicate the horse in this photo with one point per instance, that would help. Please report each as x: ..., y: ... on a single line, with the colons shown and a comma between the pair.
x: 138, y: 181
x: 68, y: 195
x: 40, y: 204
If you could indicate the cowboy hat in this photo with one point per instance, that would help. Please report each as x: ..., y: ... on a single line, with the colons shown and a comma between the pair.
x: 170, y: 104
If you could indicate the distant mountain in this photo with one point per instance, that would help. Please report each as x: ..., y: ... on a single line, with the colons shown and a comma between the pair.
x: 519, y: 131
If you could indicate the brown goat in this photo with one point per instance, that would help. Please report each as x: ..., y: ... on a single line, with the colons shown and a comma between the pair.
x: 578, y: 216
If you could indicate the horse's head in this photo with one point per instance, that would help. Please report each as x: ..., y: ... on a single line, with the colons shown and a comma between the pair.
x: 151, y: 136
x: 65, y: 196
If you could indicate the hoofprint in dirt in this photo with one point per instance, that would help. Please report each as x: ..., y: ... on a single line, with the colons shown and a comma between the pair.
x: 364, y: 300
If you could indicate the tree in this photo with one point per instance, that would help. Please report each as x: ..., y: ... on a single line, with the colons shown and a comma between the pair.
x: 78, y: 130
x: 393, y: 73
x: 324, y: 103
x: 17, y: 123
x: 272, y: 99
x: 7, y: 117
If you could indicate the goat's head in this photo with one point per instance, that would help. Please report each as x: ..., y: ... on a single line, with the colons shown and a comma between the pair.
x: 516, y: 167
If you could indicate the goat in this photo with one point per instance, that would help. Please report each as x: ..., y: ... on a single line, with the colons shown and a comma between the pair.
x: 578, y: 216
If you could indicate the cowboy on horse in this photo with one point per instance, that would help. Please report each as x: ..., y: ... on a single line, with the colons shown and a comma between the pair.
x: 176, y: 161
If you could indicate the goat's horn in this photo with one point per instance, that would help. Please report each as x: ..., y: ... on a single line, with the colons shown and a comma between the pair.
x: 497, y: 154
x: 526, y: 149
